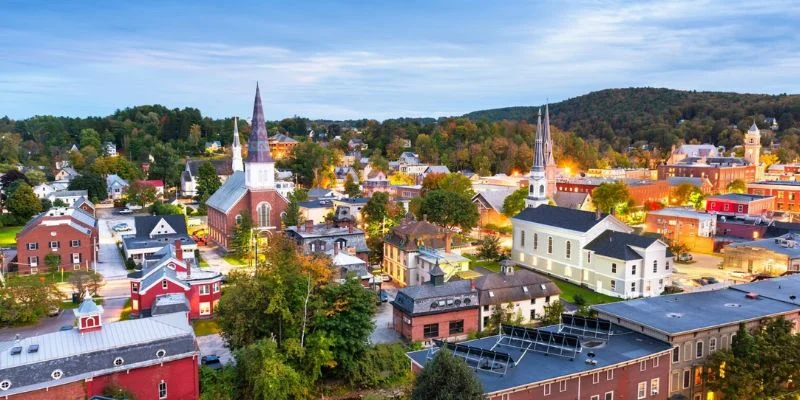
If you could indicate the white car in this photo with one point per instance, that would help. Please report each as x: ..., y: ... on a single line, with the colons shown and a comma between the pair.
x: 125, y: 211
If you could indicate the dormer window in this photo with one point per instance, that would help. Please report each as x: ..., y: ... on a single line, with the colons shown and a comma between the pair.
x: 135, y: 287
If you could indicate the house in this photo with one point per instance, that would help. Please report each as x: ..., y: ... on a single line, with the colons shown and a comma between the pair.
x: 432, y: 169
x: 641, y: 191
x: 408, y: 157
x: 281, y: 146
x: 407, y: 191
x: 86, y: 206
x: 734, y: 204
x: 316, y: 211
x: 343, y: 172
x: 191, y: 172
x: 786, y: 193
x: 490, y: 207
x: 158, y: 184
x: 116, y: 186
x: 110, y: 149
x: 771, y: 256
x: 608, y: 362
x: 251, y: 191
x: 348, y: 209
x: 692, y: 150
x: 314, y: 238
x: 436, y: 310
x: 401, y: 248
x: 376, y: 181
x: 66, y: 174
x: 285, y: 188
x: 347, y: 265
x: 520, y: 292
x: 213, y: 147
x: 453, y: 265
x: 590, y: 249
x: 153, y: 232
x: 357, y: 144
x: 318, y: 193
x: 702, y: 183
x: 43, y: 190
x: 166, y: 277
x: 69, y: 232
x: 151, y: 358
x: 574, y: 200
x: 699, y: 323
x: 692, y: 228
x: 68, y: 197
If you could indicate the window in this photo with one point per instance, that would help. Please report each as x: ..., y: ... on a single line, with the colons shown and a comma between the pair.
x: 430, y: 330
x: 135, y: 287
x: 161, y: 353
x: 656, y: 362
x: 263, y: 211
x: 613, y: 285
x: 642, y: 390
x: 666, y: 266
x: 588, y: 257
x: 724, y: 341
x: 633, y: 270
x: 456, y: 326
x: 204, y: 289
x: 686, y: 378
x: 613, y: 268
x: 596, y: 378
x: 642, y: 365
x: 569, y: 249
x: 562, y: 386
x: 698, y: 376
x: 699, y: 349
x: 76, y: 258
x: 33, y: 246
x: 75, y: 243
x: 595, y: 397
x: 5, y: 384
x: 164, y: 284
x: 162, y: 390
x: 118, y: 361
x: 57, y: 374
x: 33, y: 261
x: 533, y: 315
x: 135, y: 304
x: 547, y: 389
x: 609, y: 396
x: 522, y: 239
x: 53, y: 245
x: 654, y: 386
x: 609, y: 374
x: 216, y: 287
x: 549, y: 245
x: 712, y: 345
x: 535, y: 241
x: 740, y: 208
x: 205, y: 308
x: 547, y: 299
x: 675, y: 381
x: 655, y: 266
x: 633, y: 286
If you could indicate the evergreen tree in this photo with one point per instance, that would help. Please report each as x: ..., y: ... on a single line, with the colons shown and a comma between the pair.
x: 447, y: 377
x: 351, y: 188
x: 23, y: 203
x: 207, y: 183
x: 242, y: 235
x: 293, y: 216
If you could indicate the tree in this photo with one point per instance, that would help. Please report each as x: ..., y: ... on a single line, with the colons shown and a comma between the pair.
x: 737, y: 186
x: 449, y: 210
x: 769, y: 159
x: 23, y: 203
x: 52, y: 261
x: 447, y: 377
x: 207, y: 183
x: 379, y: 215
x: 94, y: 184
x: 379, y: 163
x: 59, y: 203
x: 159, y: 208
x: 35, y: 177
x: 515, y: 202
x: 609, y: 196
x: 293, y: 217
x: 682, y: 192
x: 351, y: 188
x: 457, y: 183
x: 401, y: 178
x: 490, y: 248
x: 90, y: 137
x: 431, y: 182
x: 242, y: 236
x: 86, y: 280
x: 165, y: 165
x: 552, y: 313
x: 140, y: 193
x: 503, y: 314
x: 265, y: 374
x: 24, y: 302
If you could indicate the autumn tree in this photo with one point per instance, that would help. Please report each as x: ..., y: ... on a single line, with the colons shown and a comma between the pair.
x: 682, y: 192
x: 608, y: 196
x: 737, y: 186
x: 449, y: 209
x: 140, y: 193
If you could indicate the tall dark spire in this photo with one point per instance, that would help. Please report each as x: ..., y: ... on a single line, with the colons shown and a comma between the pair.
x: 547, y: 138
x: 538, y: 147
x: 258, y: 144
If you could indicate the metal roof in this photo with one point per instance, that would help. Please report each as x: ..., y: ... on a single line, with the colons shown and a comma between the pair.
x: 258, y: 144
x: 560, y: 217
x: 618, y: 245
x: 229, y: 194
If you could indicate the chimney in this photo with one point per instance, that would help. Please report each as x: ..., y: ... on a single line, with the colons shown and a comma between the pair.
x: 472, y: 284
x: 179, y: 249
x: 425, y: 217
x: 309, y: 225
x: 335, y: 250
x: 597, y: 214
x: 448, y: 237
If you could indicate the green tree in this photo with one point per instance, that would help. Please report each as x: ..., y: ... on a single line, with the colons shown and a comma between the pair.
x: 697, y: 200
x: 266, y: 375
x: 53, y: 261
x: 166, y: 165
x: 449, y: 210
x: 351, y: 188
x: 90, y: 137
x: 140, y: 193
x: 552, y: 313
x: 293, y: 217
x: 609, y: 196
x: 379, y: 163
x: 94, y: 184
x: 159, y: 208
x: 737, y: 186
x: 59, y: 203
x: 82, y: 281
x: 207, y: 183
x: 432, y: 182
x: 457, y: 183
x: 25, y: 301
x: 515, y: 202
x: 379, y: 215
x: 241, y: 241
x: 23, y: 203
x: 447, y: 377
x: 35, y: 177
x: 490, y: 248
x: 682, y: 192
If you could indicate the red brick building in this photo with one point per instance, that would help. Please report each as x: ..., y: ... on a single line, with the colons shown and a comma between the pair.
x: 251, y: 192
x: 693, y: 228
x: 69, y: 232
x: 740, y: 204
x: 786, y: 193
x: 640, y: 190
x: 436, y: 310
x: 281, y: 146
x: 168, y: 282
x: 152, y: 358
x: 719, y: 174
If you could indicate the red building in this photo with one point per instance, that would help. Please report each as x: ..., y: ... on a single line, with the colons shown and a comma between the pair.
x: 436, y: 310
x: 152, y: 358
x: 250, y: 192
x: 69, y: 232
x: 168, y: 283
x: 720, y: 174
x: 640, y: 190
x: 786, y: 193
x: 740, y: 204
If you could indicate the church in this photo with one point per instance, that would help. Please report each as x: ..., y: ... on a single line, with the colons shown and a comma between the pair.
x: 250, y: 190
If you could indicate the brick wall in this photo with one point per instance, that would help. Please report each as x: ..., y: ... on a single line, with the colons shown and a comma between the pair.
x: 63, y: 234
x: 181, y: 377
x: 70, y: 391
x: 415, y: 330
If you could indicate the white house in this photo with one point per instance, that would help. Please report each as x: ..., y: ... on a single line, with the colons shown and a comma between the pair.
x: 116, y: 186
x: 43, y: 190
x: 69, y: 197
x: 111, y: 149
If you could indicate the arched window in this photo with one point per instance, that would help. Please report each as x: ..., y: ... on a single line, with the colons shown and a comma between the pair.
x: 263, y: 210
x: 541, y: 190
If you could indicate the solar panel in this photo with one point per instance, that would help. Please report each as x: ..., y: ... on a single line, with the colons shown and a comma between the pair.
x: 540, y: 341
x: 16, y: 350
x: 33, y: 348
x: 481, y: 359
x: 584, y: 326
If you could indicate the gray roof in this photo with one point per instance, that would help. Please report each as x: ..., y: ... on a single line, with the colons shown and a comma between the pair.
x: 679, y: 313
x: 437, y: 169
x: 113, y: 179
x: 618, y: 245
x: 316, y: 204
x: 677, y: 180
x: 327, y: 235
x: 85, y: 355
x: 319, y: 192
x: 623, y: 347
x: 69, y: 193
x: 570, y: 199
x: 417, y: 300
x: 682, y: 212
x: 780, y: 289
x: 560, y: 217
x: 738, y: 197
x: 146, y: 224
x: 772, y: 245
x: 509, y: 288
x: 258, y: 144
x: 229, y: 193
x: 170, y: 303
x: 222, y: 167
x: 493, y: 199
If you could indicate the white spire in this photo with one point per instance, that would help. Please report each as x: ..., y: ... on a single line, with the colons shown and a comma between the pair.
x: 236, y: 149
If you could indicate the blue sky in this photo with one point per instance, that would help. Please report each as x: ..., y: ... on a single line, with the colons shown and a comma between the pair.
x: 375, y: 59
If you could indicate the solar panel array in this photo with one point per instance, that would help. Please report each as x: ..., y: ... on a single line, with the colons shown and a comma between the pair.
x: 481, y: 359
x: 584, y: 326
x: 540, y: 341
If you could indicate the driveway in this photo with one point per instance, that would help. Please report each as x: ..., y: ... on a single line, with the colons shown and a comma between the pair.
x: 384, y: 332
x: 110, y: 263
x: 214, y: 344
x: 211, y: 255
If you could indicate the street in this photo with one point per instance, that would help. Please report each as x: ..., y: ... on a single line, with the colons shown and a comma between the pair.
x: 384, y: 332
x: 702, y: 265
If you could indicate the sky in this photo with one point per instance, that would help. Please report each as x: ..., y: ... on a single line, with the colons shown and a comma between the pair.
x: 381, y: 59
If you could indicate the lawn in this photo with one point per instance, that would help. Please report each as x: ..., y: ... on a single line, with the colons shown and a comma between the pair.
x: 204, y: 327
x: 126, y: 311
x: 203, y: 263
x: 8, y: 236
x: 490, y: 265
x: 569, y: 290
x: 233, y: 260
x: 50, y: 277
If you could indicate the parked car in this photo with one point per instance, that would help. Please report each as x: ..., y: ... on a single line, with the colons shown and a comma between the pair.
x: 53, y: 311
x: 685, y: 257
x: 125, y: 211
x: 123, y: 227
x: 211, y: 361
x: 65, y: 328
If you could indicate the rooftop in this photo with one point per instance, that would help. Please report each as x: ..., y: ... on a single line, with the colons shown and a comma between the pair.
x: 780, y: 245
x: 738, y: 197
x: 560, y: 217
x: 624, y: 346
x: 323, y: 230
x: 682, y: 212
x: 619, y: 245
x: 777, y: 183
x: 429, y: 299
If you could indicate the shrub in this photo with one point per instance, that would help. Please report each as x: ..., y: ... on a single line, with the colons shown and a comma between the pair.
x: 579, y: 300
x: 381, y: 365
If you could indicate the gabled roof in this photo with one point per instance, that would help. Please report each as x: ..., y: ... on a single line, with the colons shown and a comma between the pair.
x: 509, y: 288
x: 437, y: 169
x: 618, y: 245
x: 145, y: 224
x: 492, y: 199
x: 69, y: 193
x: 570, y: 199
x: 281, y: 138
x: 223, y: 167
x: 229, y: 193
x: 560, y: 217
x: 115, y: 180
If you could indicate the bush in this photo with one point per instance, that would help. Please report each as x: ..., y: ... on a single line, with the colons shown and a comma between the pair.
x: 381, y: 365
x: 579, y: 300
x: 130, y: 264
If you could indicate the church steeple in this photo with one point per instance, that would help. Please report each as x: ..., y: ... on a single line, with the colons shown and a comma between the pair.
x: 550, y: 161
x: 260, y: 167
x: 236, y: 149
x: 537, y: 182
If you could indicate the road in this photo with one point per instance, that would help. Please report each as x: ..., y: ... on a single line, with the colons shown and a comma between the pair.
x: 384, y: 332
x: 702, y: 265
x: 110, y: 263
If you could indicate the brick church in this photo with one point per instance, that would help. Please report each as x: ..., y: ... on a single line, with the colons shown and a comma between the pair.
x: 250, y: 190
